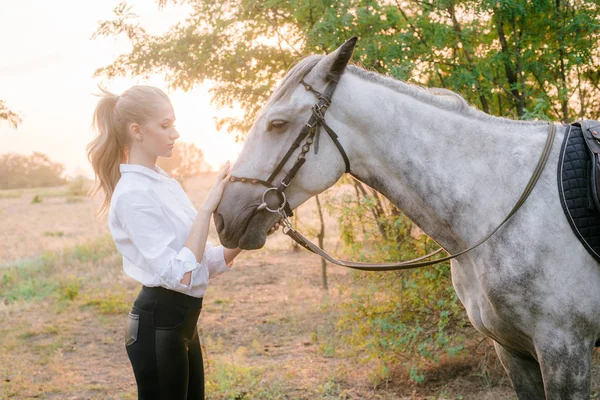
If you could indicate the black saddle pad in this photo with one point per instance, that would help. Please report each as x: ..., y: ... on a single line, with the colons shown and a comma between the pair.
x: 574, y: 191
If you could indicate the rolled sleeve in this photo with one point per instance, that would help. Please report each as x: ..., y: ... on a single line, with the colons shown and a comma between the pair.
x: 154, y: 238
x: 214, y: 260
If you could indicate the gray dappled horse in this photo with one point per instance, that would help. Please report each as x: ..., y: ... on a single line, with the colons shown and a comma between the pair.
x: 456, y: 172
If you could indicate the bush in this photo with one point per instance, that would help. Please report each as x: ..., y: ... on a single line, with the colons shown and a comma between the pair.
x: 408, y: 318
x: 78, y: 186
x: 35, y: 170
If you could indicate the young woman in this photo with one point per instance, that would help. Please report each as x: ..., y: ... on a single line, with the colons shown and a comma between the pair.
x: 161, y: 236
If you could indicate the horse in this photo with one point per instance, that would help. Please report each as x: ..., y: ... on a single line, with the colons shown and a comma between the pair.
x: 454, y: 171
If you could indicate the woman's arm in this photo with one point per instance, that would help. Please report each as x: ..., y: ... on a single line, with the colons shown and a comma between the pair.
x: 230, y: 254
x: 196, y: 240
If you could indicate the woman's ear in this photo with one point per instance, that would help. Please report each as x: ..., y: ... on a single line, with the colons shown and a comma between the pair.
x: 134, y: 129
x: 332, y: 66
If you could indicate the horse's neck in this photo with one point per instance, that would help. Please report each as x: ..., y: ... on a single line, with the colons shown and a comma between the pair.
x: 456, y: 176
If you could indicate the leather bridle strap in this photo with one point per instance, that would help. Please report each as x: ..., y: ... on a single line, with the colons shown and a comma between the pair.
x: 418, y: 262
x: 315, y: 119
x: 309, y: 131
x: 318, y: 115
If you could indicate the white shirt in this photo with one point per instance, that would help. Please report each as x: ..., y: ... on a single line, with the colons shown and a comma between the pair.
x: 150, y: 218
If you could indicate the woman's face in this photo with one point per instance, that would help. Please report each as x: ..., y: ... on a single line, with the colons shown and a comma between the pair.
x: 158, y: 132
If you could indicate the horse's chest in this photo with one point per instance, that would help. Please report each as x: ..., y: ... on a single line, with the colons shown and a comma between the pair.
x: 496, y: 307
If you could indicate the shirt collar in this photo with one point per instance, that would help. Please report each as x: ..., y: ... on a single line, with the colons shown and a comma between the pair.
x: 152, y: 173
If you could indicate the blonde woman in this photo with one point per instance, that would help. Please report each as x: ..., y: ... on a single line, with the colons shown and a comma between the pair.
x: 161, y: 236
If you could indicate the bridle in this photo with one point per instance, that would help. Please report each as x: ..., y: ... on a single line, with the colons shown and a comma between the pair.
x: 311, y: 132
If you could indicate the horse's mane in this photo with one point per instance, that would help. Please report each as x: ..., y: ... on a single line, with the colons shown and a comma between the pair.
x: 441, y: 98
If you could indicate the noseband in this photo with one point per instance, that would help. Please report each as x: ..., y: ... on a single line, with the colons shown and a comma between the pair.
x: 311, y: 132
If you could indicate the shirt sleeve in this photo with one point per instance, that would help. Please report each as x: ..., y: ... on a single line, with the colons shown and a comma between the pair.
x: 153, y: 236
x: 214, y: 259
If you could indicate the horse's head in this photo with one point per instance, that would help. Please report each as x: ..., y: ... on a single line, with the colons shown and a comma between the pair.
x: 239, y: 219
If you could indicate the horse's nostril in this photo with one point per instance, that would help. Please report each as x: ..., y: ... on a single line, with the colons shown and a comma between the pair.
x: 219, y: 222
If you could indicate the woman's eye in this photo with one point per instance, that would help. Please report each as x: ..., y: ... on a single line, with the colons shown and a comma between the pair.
x: 277, y: 124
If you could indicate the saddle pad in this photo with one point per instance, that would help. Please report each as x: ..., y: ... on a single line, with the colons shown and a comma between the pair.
x: 573, y: 187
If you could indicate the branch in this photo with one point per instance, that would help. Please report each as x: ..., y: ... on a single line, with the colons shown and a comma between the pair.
x: 13, y: 118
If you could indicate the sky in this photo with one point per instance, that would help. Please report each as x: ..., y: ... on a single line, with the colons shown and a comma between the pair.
x: 47, y: 62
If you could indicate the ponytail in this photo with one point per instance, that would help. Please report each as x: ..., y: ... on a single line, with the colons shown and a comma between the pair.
x: 108, y: 150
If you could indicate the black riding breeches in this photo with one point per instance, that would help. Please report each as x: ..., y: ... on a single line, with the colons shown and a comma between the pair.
x: 163, y: 345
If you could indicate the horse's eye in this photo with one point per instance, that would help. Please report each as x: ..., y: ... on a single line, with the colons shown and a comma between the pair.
x: 277, y: 124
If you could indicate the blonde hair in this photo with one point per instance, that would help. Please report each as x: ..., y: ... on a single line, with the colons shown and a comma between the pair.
x: 111, y: 120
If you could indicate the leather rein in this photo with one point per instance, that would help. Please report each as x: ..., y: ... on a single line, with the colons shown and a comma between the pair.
x: 311, y: 132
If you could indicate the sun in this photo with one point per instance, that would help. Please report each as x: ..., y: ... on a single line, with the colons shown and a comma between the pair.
x: 196, y: 124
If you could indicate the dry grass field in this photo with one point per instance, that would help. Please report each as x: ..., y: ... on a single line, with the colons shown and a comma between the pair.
x: 266, y: 327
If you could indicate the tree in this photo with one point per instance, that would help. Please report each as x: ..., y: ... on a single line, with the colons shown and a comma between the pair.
x: 36, y: 170
x: 187, y: 160
x: 13, y: 118
x: 511, y: 58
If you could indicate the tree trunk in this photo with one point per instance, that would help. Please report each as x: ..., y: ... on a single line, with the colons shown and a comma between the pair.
x: 321, y: 237
x: 511, y: 75
x: 457, y: 28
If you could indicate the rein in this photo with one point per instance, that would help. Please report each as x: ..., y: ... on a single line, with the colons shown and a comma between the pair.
x: 311, y: 131
x: 418, y: 262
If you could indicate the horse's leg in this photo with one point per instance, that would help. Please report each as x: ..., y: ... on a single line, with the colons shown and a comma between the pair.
x: 566, y: 367
x: 524, y: 373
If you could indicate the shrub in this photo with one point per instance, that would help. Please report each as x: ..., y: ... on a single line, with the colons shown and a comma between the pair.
x: 408, y: 318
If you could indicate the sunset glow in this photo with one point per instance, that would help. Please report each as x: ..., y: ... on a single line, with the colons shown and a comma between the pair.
x: 46, y: 74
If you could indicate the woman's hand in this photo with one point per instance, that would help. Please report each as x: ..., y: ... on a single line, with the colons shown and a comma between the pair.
x: 216, y: 192
x: 275, y: 227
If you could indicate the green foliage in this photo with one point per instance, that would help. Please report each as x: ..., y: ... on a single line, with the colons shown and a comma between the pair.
x: 36, y: 199
x: 234, y: 380
x: 109, y: 302
x: 510, y: 58
x: 409, y: 317
x: 69, y: 288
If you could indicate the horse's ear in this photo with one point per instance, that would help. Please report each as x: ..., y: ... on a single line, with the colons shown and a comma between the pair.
x: 334, y: 64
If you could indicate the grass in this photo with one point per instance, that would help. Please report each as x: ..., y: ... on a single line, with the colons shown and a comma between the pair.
x: 10, y: 194
x: 48, y: 275
x: 54, y: 234
x: 75, y: 189
x: 108, y: 302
